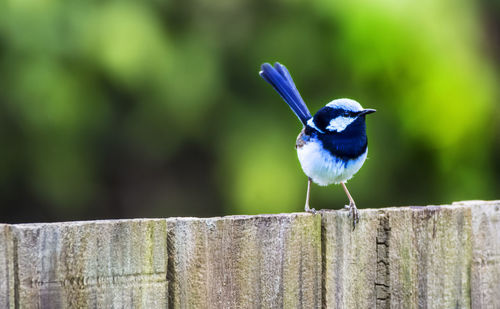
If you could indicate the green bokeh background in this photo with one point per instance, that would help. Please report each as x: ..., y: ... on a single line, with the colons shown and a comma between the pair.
x: 112, y: 109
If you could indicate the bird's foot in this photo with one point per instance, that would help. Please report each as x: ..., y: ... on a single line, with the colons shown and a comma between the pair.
x: 353, y: 211
x: 311, y: 210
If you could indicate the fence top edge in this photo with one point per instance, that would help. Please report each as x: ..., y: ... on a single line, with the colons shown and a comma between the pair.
x: 454, y: 205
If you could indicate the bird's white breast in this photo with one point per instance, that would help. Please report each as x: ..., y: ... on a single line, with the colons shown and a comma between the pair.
x: 323, y: 168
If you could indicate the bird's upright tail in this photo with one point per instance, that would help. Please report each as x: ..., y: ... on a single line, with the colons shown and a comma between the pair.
x: 281, y: 80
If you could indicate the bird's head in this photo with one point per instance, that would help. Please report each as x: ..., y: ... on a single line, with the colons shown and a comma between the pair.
x: 338, y: 115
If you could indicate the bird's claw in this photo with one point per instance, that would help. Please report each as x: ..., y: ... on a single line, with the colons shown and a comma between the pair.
x: 353, y: 211
x: 311, y: 210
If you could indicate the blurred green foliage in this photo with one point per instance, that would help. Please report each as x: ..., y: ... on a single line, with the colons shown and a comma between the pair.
x: 154, y: 108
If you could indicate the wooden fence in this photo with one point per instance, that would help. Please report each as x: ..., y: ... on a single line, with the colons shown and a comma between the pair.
x: 408, y: 257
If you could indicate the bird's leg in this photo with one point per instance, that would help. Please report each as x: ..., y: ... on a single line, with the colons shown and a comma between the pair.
x: 307, y: 209
x: 351, y: 207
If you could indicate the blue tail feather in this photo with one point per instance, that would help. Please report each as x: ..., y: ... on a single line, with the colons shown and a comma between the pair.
x: 281, y: 80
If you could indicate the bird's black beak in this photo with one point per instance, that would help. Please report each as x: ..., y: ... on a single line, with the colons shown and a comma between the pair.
x: 367, y: 111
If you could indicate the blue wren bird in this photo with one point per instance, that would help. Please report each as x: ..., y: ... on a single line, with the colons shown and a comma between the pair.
x: 332, y: 145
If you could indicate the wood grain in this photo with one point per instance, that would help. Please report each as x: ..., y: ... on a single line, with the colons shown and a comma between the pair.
x: 269, y: 261
x: 429, y: 257
x: 7, y: 285
x: 406, y: 257
x: 99, y: 264
x: 349, y: 259
x: 485, y: 281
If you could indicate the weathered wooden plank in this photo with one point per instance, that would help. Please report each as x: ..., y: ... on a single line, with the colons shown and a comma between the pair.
x: 398, y: 258
x: 7, y: 284
x: 349, y: 259
x: 429, y: 257
x: 485, y: 281
x: 268, y: 261
x: 99, y: 264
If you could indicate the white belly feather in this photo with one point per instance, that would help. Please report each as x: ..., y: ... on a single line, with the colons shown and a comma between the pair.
x: 319, y: 165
